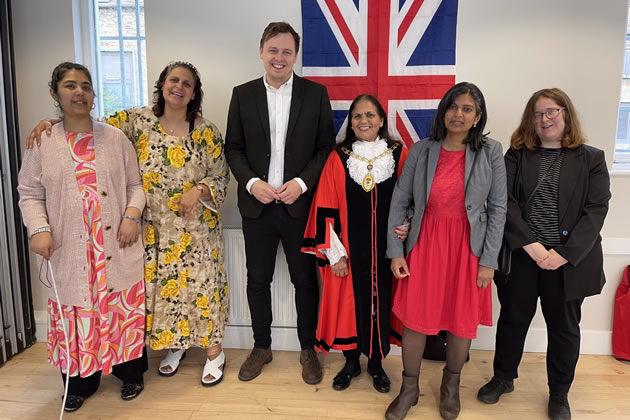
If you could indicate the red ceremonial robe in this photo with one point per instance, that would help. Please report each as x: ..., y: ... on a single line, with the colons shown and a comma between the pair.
x: 359, y: 218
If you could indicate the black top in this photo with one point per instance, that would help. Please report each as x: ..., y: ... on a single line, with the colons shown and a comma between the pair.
x: 543, y: 214
x: 583, y: 195
x: 309, y: 140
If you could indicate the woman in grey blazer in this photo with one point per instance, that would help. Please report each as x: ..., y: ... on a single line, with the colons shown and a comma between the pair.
x: 453, y: 186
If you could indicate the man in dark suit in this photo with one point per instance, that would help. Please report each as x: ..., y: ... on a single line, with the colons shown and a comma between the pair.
x: 279, y: 134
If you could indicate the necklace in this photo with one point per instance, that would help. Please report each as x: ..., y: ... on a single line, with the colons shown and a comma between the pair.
x: 368, y: 179
x: 163, y: 124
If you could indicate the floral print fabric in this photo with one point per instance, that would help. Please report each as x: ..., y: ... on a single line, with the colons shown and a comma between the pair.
x: 186, y: 283
x: 110, y: 330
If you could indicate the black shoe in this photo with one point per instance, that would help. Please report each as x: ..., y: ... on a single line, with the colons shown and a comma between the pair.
x: 379, y: 380
x: 73, y: 403
x: 129, y: 391
x: 558, y: 408
x: 492, y: 391
x: 343, y: 379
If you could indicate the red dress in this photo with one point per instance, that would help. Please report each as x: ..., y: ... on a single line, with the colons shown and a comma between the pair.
x: 441, y: 292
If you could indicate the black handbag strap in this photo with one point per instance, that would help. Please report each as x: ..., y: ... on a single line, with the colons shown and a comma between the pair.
x: 531, y: 196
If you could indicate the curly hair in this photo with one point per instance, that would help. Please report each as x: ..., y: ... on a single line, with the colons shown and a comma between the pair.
x: 193, y: 109
x: 525, y: 134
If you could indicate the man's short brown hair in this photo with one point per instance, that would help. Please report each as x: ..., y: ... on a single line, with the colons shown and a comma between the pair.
x: 276, y: 28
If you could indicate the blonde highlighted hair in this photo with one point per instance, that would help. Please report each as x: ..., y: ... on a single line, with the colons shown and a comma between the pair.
x: 525, y: 134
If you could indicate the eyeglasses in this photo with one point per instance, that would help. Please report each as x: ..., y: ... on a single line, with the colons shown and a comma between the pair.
x: 550, y: 113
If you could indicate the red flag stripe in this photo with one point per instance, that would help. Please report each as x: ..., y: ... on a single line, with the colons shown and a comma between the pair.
x: 343, y: 27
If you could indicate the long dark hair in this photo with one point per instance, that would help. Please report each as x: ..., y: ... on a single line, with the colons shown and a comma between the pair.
x: 383, y: 132
x: 193, y: 110
x: 476, y: 138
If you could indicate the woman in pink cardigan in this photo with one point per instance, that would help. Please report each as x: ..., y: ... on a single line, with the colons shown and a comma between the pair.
x: 81, y: 199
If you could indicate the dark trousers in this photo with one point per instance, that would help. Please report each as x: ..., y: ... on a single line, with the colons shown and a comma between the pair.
x: 518, y: 297
x: 262, y: 236
x: 128, y: 372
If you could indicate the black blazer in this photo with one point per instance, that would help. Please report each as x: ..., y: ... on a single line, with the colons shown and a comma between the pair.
x: 583, y: 196
x: 310, y: 138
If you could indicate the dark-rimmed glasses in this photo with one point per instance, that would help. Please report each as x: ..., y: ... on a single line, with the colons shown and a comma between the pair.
x: 550, y: 113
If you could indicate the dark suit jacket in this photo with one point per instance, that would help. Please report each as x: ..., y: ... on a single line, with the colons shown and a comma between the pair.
x: 310, y: 138
x: 583, y: 196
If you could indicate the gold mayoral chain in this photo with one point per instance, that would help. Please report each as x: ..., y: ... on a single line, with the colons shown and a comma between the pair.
x: 368, y: 179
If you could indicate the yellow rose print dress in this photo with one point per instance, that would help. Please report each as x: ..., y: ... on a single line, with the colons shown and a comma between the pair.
x: 186, y: 285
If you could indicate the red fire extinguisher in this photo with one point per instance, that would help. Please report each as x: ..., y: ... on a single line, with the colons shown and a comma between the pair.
x: 621, y: 321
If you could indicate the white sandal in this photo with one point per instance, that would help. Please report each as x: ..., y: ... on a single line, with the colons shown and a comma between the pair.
x: 171, y: 360
x: 212, y: 367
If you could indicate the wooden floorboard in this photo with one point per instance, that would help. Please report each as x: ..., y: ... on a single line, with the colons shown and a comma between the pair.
x: 30, y: 389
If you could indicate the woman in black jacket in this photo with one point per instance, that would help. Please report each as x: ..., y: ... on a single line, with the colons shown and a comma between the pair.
x: 558, y: 193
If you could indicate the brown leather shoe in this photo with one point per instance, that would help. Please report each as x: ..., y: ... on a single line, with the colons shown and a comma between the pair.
x: 253, y: 366
x: 407, y: 398
x: 311, y: 369
x: 449, y: 395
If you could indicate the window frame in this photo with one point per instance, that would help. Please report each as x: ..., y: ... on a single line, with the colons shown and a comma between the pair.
x: 621, y: 155
x: 88, y: 52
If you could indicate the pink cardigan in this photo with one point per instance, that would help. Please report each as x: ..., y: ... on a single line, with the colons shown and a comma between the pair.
x: 49, y: 196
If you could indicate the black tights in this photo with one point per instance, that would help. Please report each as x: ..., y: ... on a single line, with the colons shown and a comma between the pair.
x: 352, y: 362
x: 413, y: 347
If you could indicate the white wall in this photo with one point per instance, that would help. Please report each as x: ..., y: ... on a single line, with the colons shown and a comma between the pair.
x: 510, y: 49
x: 42, y: 38
x: 224, y: 49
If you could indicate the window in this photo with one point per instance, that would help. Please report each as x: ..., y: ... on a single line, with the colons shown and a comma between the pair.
x: 120, y: 54
x: 621, y: 159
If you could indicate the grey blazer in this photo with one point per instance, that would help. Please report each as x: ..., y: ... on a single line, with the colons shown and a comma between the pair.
x: 486, y: 198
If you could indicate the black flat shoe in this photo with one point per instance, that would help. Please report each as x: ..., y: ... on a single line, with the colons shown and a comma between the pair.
x: 130, y: 391
x: 73, y: 403
x: 342, y: 380
x: 380, y: 381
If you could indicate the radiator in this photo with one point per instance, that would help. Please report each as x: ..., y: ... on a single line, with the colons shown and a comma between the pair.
x: 282, y: 291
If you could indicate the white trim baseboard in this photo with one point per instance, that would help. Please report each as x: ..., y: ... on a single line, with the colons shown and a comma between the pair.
x: 592, y: 342
x: 285, y: 338
x: 41, y: 318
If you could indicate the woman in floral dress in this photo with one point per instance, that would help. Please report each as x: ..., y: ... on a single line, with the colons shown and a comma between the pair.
x: 81, y: 199
x: 185, y: 177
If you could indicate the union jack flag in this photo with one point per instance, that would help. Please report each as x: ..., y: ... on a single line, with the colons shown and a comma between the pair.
x: 401, y: 51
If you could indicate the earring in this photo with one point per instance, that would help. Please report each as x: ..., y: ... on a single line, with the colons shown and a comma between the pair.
x: 56, y: 104
x: 93, y: 105
x: 474, y: 125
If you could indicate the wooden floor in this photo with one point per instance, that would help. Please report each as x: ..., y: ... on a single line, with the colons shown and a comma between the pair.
x: 30, y: 389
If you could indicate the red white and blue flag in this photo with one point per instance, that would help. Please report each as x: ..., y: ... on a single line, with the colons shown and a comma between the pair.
x: 401, y: 51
